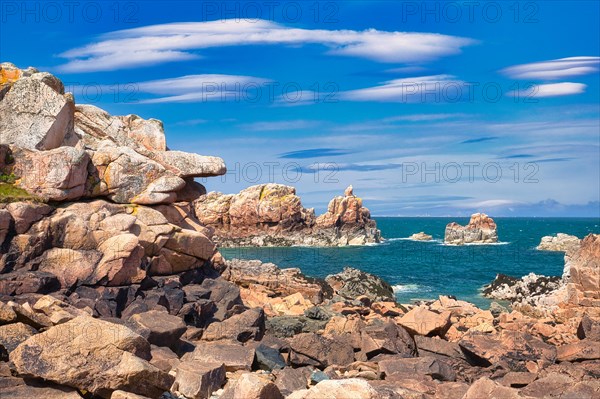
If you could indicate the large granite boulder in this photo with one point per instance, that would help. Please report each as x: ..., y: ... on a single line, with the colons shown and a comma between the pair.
x: 480, y: 230
x: 56, y: 175
x: 35, y: 112
x: 113, y: 358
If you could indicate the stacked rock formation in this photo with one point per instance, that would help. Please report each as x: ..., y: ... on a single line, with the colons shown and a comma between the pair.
x: 480, y: 230
x: 59, y: 151
x: 273, y: 215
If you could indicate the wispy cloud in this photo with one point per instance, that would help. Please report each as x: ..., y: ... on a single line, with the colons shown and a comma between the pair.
x: 271, y: 126
x: 347, y: 167
x: 315, y: 153
x: 161, y: 43
x: 479, y: 140
x: 198, y: 88
x: 435, y: 88
x: 550, y: 90
x: 554, y: 69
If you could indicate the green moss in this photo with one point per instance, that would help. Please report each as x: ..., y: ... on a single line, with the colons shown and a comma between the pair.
x: 11, y: 193
x: 7, y: 178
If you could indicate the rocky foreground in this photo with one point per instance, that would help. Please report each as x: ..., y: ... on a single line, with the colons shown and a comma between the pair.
x: 112, y: 286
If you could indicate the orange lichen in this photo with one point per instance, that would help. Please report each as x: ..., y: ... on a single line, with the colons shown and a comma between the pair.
x: 9, y: 76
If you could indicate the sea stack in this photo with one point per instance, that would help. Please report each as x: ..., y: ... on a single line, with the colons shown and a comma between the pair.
x: 480, y: 230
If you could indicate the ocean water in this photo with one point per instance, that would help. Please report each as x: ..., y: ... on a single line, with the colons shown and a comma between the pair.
x: 424, y: 270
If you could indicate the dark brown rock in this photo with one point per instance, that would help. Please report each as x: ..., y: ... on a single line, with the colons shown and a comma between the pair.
x: 589, y: 328
x: 11, y: 335
x: 387, y: 338
x: 159, y: 328
x: 242, y: 327
x: 198, y: 379
x: 316, y: 350
x: 434, y: 368
x: 233, y: 356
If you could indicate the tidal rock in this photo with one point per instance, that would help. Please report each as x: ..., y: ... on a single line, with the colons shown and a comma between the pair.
x: 420, y: 237
x: 530, y: 289
x: 352, y: 283
x: 198, y: 380
x: 111, y: 361
x: 273, y: 215
x: 481, y: 229
x: 283, y: 282
x: 560, y: 242
x: 35, y: 113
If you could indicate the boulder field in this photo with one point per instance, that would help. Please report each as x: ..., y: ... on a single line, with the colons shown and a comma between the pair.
x: 112, y: 286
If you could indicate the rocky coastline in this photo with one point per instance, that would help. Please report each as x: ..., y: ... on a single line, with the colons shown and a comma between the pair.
x: 112, y: 285
x: 273, y: 215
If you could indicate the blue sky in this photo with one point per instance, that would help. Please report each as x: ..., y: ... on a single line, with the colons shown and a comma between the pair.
x: 426, y: 108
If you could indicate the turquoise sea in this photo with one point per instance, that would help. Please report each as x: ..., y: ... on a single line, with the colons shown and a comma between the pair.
x: 424, y: 270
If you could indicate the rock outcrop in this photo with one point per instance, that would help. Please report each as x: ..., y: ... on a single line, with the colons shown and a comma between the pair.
x: 273, y: 215
x: 60, y: 151
x: 480, y: 230
x: 560, y: 242
x: 421, y: 236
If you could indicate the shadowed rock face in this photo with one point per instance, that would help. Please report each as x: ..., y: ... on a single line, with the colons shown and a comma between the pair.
x: 273, y: 215
x: 481, y: 229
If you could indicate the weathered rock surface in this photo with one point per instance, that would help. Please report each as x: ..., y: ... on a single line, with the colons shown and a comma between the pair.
x: 583, y: 273
x: 480, y: 230
x: 66, y: 152
x: 352, y: 283
x: 198, y: 380
x: 114, y: 358
x: 560, y: 242
x: 273, y: 215
x: 35, y: 112
x: 282, y: 282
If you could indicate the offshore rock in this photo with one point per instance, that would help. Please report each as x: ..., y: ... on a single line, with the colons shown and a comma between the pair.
x: 481, y: 229
x: 560, y: 242
x: 273, y: 215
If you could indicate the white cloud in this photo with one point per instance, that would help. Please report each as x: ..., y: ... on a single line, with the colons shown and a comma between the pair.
x: 177, y: 41
x: 550, y: 90
x: 554, y: 69
x: 435, y: 88
x: 200, y: 88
